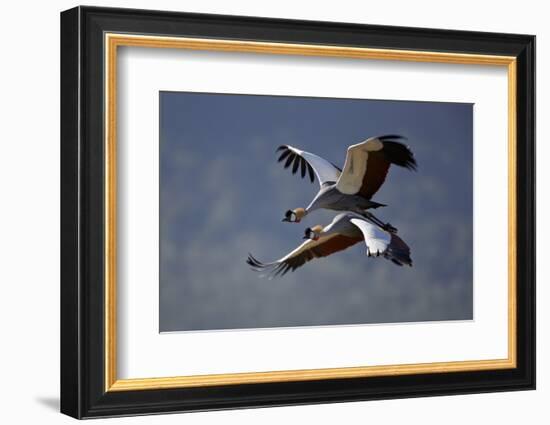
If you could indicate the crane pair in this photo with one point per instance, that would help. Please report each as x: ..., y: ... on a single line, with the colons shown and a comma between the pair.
x: 349, y: 190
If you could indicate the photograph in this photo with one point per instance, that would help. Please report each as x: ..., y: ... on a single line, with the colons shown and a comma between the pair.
x: 261, y: 210
x: 287, y: 211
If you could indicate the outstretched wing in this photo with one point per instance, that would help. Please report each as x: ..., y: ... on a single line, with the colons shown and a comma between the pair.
x: 367, y: 164
x: 380, y: 242
x: 309, y: 163
x: 307, y: 251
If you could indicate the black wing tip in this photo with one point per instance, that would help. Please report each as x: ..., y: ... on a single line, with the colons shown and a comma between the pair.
x: 290, y: 158
x: 297, y: 162
x: 392, y: 137
x: 255, y: 263
x: 311, y: 172
x: 411, y: 164
x: 399, y: 153
x: 271, y: 270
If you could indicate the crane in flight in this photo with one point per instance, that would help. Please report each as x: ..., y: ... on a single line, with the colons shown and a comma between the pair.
x: 345, y: 230
x: 351, y: 188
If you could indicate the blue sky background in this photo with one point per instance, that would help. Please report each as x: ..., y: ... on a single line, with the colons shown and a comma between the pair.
x: 223, y: 194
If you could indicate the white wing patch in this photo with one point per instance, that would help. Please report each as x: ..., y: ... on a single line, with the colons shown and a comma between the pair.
x: 376, y: 239
x: 323, y: 169
x: 355, y: 167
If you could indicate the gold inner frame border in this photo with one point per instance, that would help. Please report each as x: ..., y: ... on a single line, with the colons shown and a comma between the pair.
x: 113, y: 40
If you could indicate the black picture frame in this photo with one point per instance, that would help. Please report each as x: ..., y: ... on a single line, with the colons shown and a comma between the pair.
x: 83, y: 392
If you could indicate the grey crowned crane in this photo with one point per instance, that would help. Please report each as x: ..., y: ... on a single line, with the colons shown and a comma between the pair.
x: 351, y: 189
x: 345, y: 230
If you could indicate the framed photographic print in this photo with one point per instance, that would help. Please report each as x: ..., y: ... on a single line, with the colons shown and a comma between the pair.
x: 261, y: 212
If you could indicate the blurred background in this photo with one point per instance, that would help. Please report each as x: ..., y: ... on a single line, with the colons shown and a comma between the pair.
x: 223, y: 195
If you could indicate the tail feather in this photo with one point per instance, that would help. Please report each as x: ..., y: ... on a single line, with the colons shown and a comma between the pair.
x: 375, y: 205
x: 399, y: 251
